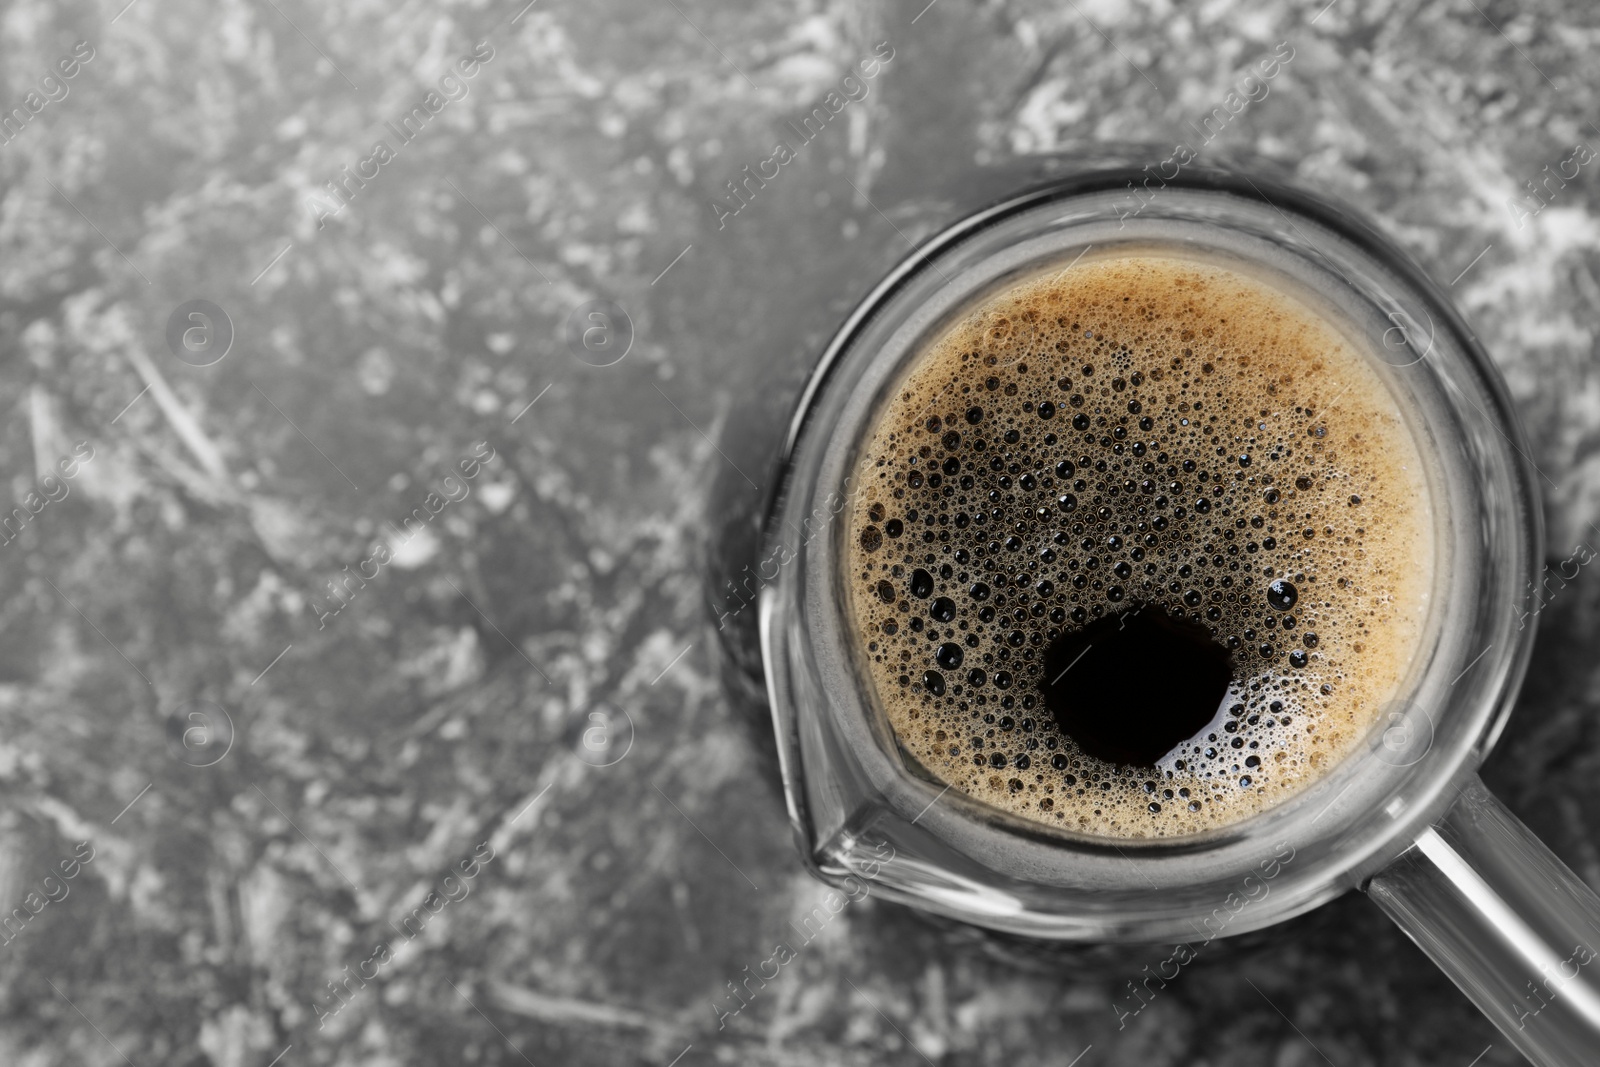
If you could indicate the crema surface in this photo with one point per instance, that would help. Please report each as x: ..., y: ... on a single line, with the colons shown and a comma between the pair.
x: 1137, y: 434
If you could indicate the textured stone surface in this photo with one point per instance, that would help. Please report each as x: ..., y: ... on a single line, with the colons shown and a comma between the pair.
x: 441, y: 707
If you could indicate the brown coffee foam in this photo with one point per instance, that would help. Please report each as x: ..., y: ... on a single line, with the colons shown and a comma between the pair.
x: 1221, y: 364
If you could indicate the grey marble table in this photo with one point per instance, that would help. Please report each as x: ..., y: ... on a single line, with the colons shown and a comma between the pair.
x: 302, y: 651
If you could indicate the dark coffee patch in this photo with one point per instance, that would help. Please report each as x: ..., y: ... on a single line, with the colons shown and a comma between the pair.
x: 1130, y: 688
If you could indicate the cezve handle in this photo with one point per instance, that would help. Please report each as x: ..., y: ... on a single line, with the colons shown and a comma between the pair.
x: 1511, y: 925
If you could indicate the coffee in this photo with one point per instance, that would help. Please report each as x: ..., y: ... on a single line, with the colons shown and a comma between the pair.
x: 1142, y: 547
